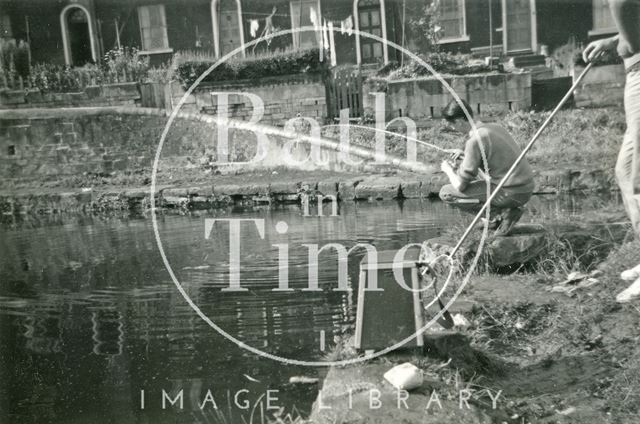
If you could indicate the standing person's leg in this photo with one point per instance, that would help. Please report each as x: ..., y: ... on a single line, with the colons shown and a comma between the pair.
x: 628, y: 174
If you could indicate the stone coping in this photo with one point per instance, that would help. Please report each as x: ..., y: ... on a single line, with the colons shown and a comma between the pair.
x: 247, y: 190
x: 63, y: 112
x: 449, y: 76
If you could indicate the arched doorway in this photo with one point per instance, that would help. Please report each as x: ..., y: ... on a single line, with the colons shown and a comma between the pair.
x: 77, y: 36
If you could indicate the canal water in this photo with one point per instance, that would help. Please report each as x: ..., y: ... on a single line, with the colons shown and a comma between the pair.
x: 90, y: 319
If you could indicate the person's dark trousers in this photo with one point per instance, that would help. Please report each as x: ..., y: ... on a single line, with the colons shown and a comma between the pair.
x: 475, y: 195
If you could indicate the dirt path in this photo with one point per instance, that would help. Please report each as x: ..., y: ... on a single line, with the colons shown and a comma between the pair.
x: 560, y: 358
x: 553, y: 358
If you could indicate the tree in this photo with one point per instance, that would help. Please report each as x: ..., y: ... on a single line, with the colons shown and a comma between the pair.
x: 424, y: 28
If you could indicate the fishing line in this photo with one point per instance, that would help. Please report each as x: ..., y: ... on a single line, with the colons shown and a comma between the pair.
x: 424, y: 143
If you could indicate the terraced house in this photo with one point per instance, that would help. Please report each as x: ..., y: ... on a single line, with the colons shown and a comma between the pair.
x: 75, y: 32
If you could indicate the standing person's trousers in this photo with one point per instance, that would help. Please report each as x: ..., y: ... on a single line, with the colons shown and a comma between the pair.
x: 628, y: 165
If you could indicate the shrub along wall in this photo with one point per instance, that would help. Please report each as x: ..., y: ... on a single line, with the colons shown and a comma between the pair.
x: 288, y: 83
x: 442, y: 62
x: 189, y: 67
x: 112, y: 82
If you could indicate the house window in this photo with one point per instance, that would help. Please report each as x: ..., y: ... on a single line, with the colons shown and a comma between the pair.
x: 153, y: 27
x: 370, y: 22
x: 602, y: 18
x: 305, y: 13
x: 452, y: 20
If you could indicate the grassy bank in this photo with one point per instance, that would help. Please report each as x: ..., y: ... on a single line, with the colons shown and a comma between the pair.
x: 555, y: 358
x: 576, y: 138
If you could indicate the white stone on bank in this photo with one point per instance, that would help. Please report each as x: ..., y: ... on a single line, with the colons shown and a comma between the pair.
x: 405, y: 376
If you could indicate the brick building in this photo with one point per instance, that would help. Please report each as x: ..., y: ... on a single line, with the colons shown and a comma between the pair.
x: 80, y: 31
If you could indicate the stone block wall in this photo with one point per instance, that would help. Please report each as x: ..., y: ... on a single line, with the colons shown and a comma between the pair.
x: 121, y: 94
x: 423, y: 98
x: 602, y: 86
x: 283, y: 97
x: 68, y: 142
x: 53, y: 142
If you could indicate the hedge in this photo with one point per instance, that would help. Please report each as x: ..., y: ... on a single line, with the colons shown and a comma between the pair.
x: 441, y: 62
x: 188, y: 69
x: 118, y: 65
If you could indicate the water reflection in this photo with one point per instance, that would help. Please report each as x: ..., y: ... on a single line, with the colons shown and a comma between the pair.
x: 89, y: 317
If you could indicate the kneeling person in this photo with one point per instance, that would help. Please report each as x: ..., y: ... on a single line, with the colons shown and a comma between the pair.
x: 468, y: 188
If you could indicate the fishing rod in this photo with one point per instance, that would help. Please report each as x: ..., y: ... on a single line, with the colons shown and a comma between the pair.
x: 446, y: 320
x: 520, y: 158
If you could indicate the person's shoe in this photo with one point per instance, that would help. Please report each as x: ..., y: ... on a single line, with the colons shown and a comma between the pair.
x: 510, y: 218
x: 630, y: 293
x: 631, y: 274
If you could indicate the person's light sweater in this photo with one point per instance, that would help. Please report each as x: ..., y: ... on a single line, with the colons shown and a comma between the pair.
x: 501, y: 152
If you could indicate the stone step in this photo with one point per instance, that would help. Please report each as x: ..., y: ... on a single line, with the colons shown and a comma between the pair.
x: 485, y: 51
x: 527, y: 61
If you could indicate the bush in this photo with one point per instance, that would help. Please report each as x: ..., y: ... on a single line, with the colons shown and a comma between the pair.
x: 124, y: 65
x: 161, y: 74
x: 50, y: 78
x: 424, y: 25
x: 441, y: 62
x: 119, y: 65
x: 14, y: 61
x: 190, y: 66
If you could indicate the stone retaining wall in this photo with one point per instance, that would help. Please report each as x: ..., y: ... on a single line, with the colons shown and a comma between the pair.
x: 53, y: 143
x: 123, y: 94
x: 423, y: 98
x: 58, y: 142
x: 283, y: 97
x: 602, y: 86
